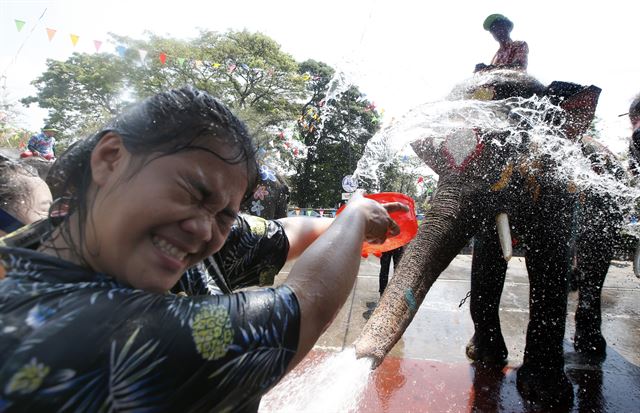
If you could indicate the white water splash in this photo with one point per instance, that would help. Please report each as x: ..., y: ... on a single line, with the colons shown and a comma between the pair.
x: 541, y: 120
x: 332, y: 384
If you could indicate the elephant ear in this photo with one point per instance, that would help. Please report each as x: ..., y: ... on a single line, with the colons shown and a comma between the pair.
x: 579, y: 103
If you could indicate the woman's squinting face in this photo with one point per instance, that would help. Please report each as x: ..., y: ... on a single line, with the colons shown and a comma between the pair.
x: 147, y: 229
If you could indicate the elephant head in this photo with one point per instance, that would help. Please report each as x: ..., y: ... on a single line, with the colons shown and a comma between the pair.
x: 486, y: 170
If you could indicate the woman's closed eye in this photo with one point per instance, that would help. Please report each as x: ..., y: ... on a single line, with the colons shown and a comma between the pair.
x: 226, y: 218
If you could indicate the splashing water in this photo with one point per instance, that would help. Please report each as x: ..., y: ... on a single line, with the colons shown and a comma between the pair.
x: 541, y: 120
x: 436, y: 119
x: 332, y: 384
x: 338, y: 84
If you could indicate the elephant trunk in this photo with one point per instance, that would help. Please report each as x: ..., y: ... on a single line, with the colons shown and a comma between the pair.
x: 446, y: 230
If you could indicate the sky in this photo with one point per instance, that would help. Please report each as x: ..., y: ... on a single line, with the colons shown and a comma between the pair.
x: 400, y: 53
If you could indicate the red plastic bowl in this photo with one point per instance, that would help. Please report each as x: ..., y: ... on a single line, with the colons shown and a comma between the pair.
x: 406, y: 221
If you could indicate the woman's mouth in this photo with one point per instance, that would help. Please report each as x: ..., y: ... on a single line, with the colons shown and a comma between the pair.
x: 168, y: 248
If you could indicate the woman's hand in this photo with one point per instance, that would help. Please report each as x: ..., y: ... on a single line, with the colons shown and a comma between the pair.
x: 378, y: 224
x: 324, y: 275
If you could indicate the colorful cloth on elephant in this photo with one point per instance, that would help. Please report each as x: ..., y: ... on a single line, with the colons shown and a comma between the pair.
x: 513, y: 54
x: 75, y: 340
x: 254, y: 253
x: 42, y: 144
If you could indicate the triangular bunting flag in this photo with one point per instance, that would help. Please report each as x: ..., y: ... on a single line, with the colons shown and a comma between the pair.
x: 143, y: 54
x: 216, y: 65
x: 198, y: 63
x: 51, y: 33
x: 97, y: 44
x: 121, y: 50
x: 163, y: 58
x: 181, y: 61
x: 19, y: 24
x: 74, y: 39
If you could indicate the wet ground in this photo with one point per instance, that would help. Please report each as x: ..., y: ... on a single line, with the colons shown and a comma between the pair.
x: 427, y: 370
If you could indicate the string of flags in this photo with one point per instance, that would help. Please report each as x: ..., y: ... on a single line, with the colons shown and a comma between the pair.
x: 308, y: 121
x: 163, y: 57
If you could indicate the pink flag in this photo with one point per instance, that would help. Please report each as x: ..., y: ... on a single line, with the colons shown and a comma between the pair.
x: 97, y: 44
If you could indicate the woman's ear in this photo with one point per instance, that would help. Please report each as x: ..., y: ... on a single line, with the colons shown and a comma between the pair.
x: 107, y: 157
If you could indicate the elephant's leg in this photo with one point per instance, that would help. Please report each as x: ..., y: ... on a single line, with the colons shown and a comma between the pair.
x: 488, y: 271
x: 594, y: 254
x: 541, y: 378
x: 593, y: 264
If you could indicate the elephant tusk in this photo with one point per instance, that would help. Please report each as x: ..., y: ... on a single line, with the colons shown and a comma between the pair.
x: 504, y: 233
x: 636, y: 261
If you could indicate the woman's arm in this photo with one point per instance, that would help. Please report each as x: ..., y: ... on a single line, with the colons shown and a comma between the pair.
x: 324, y: 275
x: 302, y: 232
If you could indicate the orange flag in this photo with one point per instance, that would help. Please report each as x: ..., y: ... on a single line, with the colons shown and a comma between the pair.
x: 74, y: 39
x: 51, y: 33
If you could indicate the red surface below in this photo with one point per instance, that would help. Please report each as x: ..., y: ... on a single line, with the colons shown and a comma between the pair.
x: 409, y: 385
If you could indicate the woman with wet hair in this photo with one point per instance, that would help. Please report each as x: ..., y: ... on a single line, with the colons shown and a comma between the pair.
x: 87, y: 321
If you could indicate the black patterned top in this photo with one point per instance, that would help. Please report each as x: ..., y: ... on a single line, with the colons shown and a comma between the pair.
x: 254, y: 253
x: 75, y: 340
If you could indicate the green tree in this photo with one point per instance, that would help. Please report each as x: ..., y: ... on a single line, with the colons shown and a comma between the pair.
x: 81, y: 92
x: 407, y: 175
x: 11, y: 135
x: 335, y: 133
x: 248, y: 71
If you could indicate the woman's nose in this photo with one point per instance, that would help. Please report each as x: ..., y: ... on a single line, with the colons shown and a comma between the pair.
x: 200, y: 226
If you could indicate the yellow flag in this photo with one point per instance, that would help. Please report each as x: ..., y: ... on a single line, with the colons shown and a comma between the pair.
x: 74, y: 39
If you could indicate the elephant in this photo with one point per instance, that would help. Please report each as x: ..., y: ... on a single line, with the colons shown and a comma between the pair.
x: 598, y: 222
x: 493, y: 180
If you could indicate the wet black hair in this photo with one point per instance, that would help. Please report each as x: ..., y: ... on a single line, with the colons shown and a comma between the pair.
x: 634, y: 108
x: 12, y: 188
x: 161, y: 125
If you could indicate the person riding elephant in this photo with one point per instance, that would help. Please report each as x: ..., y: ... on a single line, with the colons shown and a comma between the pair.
x: 496, y: 176
x: 42, y: 144
x: 511, y: 54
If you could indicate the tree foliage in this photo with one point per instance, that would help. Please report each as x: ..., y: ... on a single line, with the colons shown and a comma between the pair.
x: 81, y: 92
x: 249, y: 72
x: 335, y: 130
